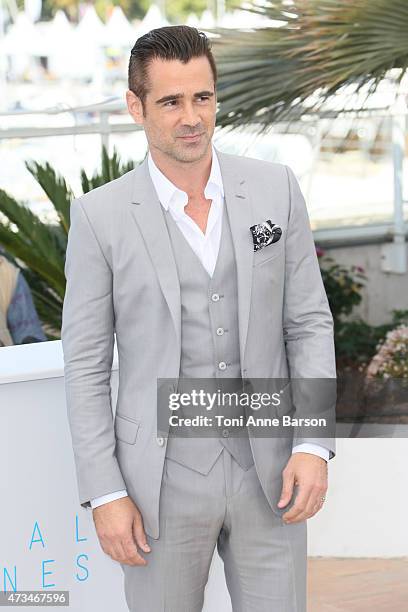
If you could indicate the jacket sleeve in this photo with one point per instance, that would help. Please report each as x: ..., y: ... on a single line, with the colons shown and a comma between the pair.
x: 308, y: 324
x: 87, y: 335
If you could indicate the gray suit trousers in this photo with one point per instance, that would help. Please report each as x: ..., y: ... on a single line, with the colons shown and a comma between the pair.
x: 264, y: 559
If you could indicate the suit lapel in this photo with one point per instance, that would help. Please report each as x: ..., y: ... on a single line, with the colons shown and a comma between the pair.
x: 146, y: 210
x: 237, y: 200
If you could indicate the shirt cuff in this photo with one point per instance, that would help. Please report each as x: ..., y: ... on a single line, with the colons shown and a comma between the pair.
x: 104, y: 499
x: 314, y: 449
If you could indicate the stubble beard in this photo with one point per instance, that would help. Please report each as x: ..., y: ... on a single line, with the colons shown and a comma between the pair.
x: 183, y: 152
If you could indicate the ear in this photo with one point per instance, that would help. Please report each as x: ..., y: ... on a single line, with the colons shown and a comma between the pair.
x: 135, y: 107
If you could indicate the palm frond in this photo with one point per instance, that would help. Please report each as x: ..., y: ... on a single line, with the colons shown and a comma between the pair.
x: 55, y: 187
x: 38, y: 248
x: 112, y: 168
x: 321, y: 47
x: 31, y: 242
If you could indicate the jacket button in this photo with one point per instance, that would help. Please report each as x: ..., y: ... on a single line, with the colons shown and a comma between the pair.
x: 215, y: 297
x: 225, y: 433
x: 220, y: 331
x: 222, y: 365
x: 160, y: 440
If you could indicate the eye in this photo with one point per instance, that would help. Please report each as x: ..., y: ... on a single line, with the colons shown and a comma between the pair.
x: 171, y: 102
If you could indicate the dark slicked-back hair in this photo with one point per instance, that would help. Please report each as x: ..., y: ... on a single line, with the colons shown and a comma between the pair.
x: 179, y: 42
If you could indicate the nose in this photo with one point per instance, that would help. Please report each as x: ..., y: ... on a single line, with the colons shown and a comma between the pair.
x: 190, y: 116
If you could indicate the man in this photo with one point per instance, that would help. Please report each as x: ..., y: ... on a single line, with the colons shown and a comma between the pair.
x: 165, y: 257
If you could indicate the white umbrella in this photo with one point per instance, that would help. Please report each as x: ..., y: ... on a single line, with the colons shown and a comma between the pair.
x: 60, y: 23
x: 22, y: 38
x: 86, y: 56
x: 21, y: 44
x: 91, y: 27
x: 153, y: 19
x: 32, y: 9
x: 119, y: 32
x: 61, y: 39
x: 193, y: 20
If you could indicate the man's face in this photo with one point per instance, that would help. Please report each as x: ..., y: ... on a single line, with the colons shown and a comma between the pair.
x: 181, y: 102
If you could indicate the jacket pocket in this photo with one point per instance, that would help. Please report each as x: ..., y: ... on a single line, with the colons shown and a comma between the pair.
x: 126, y: 429
x: 267, y: 253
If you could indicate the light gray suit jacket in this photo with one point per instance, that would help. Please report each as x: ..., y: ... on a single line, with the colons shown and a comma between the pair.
x: 122, y: 278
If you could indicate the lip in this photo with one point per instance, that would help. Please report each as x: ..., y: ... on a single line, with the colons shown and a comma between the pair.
x: 191, y: 138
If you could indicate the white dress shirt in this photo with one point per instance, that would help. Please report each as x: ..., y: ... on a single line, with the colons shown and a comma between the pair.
x: 206, y: 247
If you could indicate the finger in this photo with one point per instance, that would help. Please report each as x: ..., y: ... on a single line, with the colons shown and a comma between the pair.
x: 115, y: 550
x: 113, y: 546
x: 316, y: 508
x: 132, y: 555
x: 118, y: 552
x: 301, y: 503
x: 140, y: 536
x: 319, y: 504
x: 287, y: 488
x: 313, y: 501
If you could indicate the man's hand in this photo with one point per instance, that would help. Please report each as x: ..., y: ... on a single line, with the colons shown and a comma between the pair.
x: 309, y: 472
x: 119, y: 526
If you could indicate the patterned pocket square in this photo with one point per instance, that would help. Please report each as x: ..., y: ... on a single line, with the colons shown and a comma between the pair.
x: 265, y: 233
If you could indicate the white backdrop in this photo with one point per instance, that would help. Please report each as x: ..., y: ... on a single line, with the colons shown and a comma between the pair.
x: 47, y: 538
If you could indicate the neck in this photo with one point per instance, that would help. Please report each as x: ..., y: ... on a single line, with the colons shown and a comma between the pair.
x: 190, y: 177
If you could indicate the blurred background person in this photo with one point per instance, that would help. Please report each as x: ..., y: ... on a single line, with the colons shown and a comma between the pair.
x: 19, y: 322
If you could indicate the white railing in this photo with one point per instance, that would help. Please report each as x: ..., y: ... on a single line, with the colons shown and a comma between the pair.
x: 393, y: 233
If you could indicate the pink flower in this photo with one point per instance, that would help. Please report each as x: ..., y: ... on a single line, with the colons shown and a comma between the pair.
x: 392, y: 355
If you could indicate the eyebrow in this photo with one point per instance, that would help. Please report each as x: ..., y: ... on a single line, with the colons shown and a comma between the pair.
x: 178, y: 96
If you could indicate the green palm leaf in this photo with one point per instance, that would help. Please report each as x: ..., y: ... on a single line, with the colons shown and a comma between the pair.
x: 55, y: 188
x: 32, y: 242
x: 281, y: 73
x: 112, y: 168
x: 37, y: 247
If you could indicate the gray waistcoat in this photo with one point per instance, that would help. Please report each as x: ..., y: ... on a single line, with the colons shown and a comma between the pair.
x: 209, y: 339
